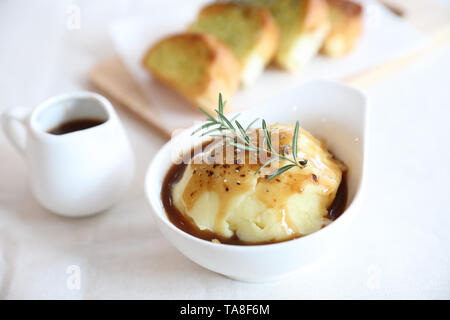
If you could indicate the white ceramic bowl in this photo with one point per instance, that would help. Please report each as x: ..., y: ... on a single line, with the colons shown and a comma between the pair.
x: 331, y: 111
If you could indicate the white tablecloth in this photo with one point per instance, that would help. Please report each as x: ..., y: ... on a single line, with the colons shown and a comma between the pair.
x: 401, y: 243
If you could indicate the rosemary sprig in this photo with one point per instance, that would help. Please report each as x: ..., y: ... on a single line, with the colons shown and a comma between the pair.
x: 241, y: 140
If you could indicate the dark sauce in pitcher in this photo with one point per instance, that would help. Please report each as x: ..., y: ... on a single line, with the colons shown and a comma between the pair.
x: 75, y: 125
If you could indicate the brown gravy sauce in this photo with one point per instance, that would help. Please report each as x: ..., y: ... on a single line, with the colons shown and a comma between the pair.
x: 186, y: 223
x: 75, y: 125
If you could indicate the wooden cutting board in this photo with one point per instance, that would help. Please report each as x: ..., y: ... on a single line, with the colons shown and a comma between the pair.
x: 112, y: 78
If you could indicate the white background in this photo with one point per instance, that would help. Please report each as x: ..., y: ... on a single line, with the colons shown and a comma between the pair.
x: 401, y: 242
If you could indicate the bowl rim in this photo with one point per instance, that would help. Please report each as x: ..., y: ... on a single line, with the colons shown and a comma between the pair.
x: 286, y: 243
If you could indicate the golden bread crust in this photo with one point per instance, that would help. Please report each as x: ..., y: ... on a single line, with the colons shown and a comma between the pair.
x: 351, y: 9
x: 316, y: 14
x: 268, y: 34
x: 303, y: 25
x: 345, y: 29
x: 221, y: 74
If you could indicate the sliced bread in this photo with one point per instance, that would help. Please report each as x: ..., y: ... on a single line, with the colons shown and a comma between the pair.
x: 197, y: 65
x: 249, y: 31
x: 303, y: 26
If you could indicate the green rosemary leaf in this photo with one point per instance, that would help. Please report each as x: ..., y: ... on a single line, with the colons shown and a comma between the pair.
x: 267, y: 137
x: 264, y: 125
x: 243, y: 146
x: 241, y: 129
x: 265, y: 165
x: 205, y: 126
x: 207, y: 114
x: 221, y: 103
x: 210, y: 131
x: 280, y: 171
x: 294, y: 141
x: 251, y: 123
x: 235, y: 117
x: 224, y: 118
x: 241, y: 140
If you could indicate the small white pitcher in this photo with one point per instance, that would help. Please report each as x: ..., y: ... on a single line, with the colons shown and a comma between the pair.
x: 78, y: 173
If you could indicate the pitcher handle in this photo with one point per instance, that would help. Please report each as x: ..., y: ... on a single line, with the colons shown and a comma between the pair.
x: 15, y: 134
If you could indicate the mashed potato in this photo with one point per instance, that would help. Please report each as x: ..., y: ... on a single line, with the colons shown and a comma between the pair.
x: 231, y: 200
